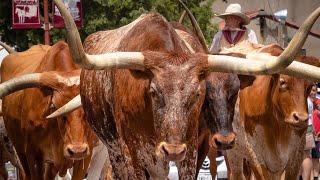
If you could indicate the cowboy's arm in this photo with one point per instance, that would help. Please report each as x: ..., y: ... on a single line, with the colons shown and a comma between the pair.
x: 215, y: 46
x: 252, y: 37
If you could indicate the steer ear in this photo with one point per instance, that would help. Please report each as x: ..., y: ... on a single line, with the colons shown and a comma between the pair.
x: 246, y: 80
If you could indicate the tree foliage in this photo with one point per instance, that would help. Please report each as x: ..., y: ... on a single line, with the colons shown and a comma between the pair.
x: 107, y: 14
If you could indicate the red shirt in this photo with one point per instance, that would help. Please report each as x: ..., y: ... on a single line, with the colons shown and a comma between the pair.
x: 316, y: 120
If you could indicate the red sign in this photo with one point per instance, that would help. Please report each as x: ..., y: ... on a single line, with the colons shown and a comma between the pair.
x: 25, y: 14
x: 74, y: 7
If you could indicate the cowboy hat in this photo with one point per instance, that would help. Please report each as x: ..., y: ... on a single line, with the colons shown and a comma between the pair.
x: 235, y: 10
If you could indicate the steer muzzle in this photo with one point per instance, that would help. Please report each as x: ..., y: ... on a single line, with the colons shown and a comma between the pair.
x: 222, y: 141
x: 298, y: 119
x: 172, y: 152
x: 76, y: 151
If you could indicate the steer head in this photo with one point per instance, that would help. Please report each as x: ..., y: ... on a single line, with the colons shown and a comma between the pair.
x: 62, y: 87
x: 177, y: 91
x: 288, y: 94
x: 289, y: 97
x: 72, y: 126
x: 221, y: 95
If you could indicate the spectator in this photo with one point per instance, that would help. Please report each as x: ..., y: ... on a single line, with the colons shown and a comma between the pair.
x: 307, y: 163
x: 234, y: 30
x: 315, y: 152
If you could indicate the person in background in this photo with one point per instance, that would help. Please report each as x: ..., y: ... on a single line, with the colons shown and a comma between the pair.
x: 307, y: 163
x: 315, y: 152
x: 234, y: 30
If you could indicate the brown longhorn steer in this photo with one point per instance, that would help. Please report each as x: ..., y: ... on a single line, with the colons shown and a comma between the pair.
x: 271, y: 121
x: 142, y: 91
x: 45, y: 147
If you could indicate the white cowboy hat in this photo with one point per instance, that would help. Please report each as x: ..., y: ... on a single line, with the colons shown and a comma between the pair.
x: 235, y: 10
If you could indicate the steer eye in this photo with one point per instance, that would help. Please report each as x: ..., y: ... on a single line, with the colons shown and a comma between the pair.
x: 152, y: 90
x: 156, y: 95
x: 64, y: 118
x: 202, y: 75
x: 197, y: 93
x: 52, y: 106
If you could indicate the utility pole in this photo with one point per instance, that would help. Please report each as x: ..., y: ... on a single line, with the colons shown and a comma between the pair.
x: 46, y: 23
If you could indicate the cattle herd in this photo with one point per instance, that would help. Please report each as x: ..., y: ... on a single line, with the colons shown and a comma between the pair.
x: 151, y: 93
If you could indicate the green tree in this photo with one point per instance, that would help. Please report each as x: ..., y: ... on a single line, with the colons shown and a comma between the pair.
x: 107, y: 14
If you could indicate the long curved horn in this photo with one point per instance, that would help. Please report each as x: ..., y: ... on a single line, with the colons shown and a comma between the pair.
x: 131, y: 60
x: 19, y: 83
x: 273, y: 65
x: 183, y: 15
x: 45, y: 79
x: 256, y: 62
x: 70, y: 106
x: 7, y: 47
x: 303, y: 70
x: 296, y: 69
x: 196, y: 27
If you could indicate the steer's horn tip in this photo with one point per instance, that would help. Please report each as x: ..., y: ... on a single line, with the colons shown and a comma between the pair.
x: 57, y: 113
x: 53, y: 115
x: 70, y: 106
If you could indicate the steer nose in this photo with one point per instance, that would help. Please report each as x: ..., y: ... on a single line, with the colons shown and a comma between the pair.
x: 300, y: 117
x: 173, y: 152
x: 223, y: 142
x: 76, y: 151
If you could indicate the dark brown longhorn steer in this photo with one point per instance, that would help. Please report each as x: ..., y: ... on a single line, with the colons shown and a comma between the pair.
x: 217, y: 111
x: 45, y: 147
x: 271, y: 121
x: 142, y: 91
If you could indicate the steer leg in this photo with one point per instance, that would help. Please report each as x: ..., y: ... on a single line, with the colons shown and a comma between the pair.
x: 34, y: 167
x: 203, y: 149
x: 80, y: 168
x: 187, y: 169
x: 14, y: 159
x: 235, y: 162
x: 25, y: 167
x: 49, y: 171
x: 212, y: 154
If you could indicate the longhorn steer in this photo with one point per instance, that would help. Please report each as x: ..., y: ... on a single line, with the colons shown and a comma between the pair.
x: 146, y: 111
x: 270, y: 122
x: 45, y: 147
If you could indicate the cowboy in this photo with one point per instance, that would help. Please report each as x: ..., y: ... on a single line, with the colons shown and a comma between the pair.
x: 234, y: 30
